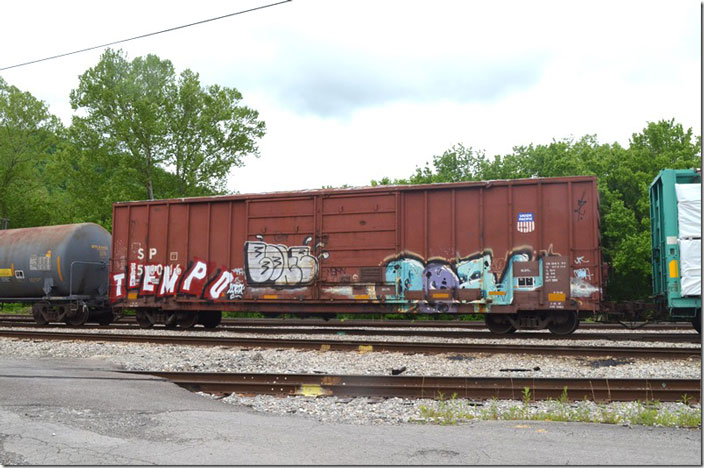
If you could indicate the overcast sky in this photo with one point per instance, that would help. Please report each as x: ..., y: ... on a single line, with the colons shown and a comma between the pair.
x: 354, y: 90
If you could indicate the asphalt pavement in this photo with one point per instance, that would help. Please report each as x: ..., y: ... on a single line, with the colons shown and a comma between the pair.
x: 82, y: 412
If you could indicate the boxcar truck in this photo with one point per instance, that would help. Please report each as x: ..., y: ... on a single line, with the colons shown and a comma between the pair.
x: 675, y: 223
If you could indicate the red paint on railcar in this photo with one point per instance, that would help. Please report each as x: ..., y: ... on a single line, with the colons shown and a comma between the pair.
x: 495, y: 246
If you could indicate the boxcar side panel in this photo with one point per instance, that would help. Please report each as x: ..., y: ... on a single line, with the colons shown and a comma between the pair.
x: 498, y: 246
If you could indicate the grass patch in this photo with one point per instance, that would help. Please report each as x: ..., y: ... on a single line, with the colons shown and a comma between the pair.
x: 653, y: 413
x: 18, y: 309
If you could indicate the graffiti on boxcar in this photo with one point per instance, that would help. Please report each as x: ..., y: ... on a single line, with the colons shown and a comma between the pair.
x: 583, y: 273
x: 580, y: 287
x: 201, y: 279
x: 336, y: 271
x: 278, y: 264
x: 410, y: 273
x: 266, y: 264
x: 581, y: 203
x: 236, y: 289
x: 580, y: 283
x: 439, y: 275
x: 169, y: 279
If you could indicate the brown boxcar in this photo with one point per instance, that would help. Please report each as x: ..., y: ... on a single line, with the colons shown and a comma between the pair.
x: 525, y: 252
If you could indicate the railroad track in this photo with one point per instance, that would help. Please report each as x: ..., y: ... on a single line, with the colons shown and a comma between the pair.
x: 440, y: 332
x: 363, y: 345
x: 476, y: 388
x: 311, y: 322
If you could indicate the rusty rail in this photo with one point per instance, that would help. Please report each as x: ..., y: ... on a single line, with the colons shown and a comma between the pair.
x: 692, y: 337
x: 476, y: 388
x: 384, y: 329
x: 363, y: 345
x: 380, y: 323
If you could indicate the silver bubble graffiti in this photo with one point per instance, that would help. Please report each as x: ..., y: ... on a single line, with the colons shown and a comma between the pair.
x: 279, y: 265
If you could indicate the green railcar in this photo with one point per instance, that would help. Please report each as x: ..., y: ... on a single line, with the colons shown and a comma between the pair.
x: 675, y: 223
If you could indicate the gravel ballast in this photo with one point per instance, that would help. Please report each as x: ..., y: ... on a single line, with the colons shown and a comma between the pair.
x: 156, y: 357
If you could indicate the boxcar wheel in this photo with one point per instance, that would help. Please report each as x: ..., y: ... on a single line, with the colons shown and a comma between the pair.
x: 210, y: 319
x: 563, y: 323
x: 187, y: 319
x: 499, y: 324
x: 143, y: 321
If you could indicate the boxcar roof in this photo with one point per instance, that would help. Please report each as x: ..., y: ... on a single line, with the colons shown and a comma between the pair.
x: 364, y: 189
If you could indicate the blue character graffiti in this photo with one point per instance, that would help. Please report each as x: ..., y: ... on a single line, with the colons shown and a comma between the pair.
x: 406, y: 274
x: 475, y: 273
x: 439, y: 280
x: 411, y: 274
x: 439, y: 275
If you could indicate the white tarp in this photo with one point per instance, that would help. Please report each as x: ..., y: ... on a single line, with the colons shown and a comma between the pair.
x: 689, y: 218
x: 689, y: 210
x: 691, y: 267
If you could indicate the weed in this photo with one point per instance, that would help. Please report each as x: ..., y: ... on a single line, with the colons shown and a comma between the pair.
x: 648, y: 413
x: 492, y: 412
x: 526, y: 396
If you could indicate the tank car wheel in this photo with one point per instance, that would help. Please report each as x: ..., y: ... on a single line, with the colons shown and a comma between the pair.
x: 563, y: 323
x: 187, y: 319
x: 143, y: 321
x: 210, y: 319
x: 80, y: 316
x: 499, y: 324
x: 38, y: 312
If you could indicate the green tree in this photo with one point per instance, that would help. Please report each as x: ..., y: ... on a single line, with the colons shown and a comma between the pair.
x: 141, y: 110
x: 92, y: 177
x: 126, y: 103
x: 454, y: 165
x: 623, y: 174
x: 626, y: 204
x: 28, y: 137
x: 210, y: 132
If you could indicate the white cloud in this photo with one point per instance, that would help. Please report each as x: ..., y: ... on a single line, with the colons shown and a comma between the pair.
x: 357, y: 90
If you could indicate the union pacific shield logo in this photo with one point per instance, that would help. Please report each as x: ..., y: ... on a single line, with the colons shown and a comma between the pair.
x: 526, y: 222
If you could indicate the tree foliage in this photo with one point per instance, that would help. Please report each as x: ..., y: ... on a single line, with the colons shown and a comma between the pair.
x: 624, y: 175
x: 140, y: 131
x: 209, y: 133
x: 141, y: 111
x: 28, y: 137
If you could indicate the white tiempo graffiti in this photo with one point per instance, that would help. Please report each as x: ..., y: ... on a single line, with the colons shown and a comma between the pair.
x: 171, y: 280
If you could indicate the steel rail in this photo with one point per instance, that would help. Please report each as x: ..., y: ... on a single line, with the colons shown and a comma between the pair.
x: 475, y: 388
x: 364, y: 345
x: 308, y: 322
x: 301, y: 322
x: 386, y: 331
x: 468, y: 334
